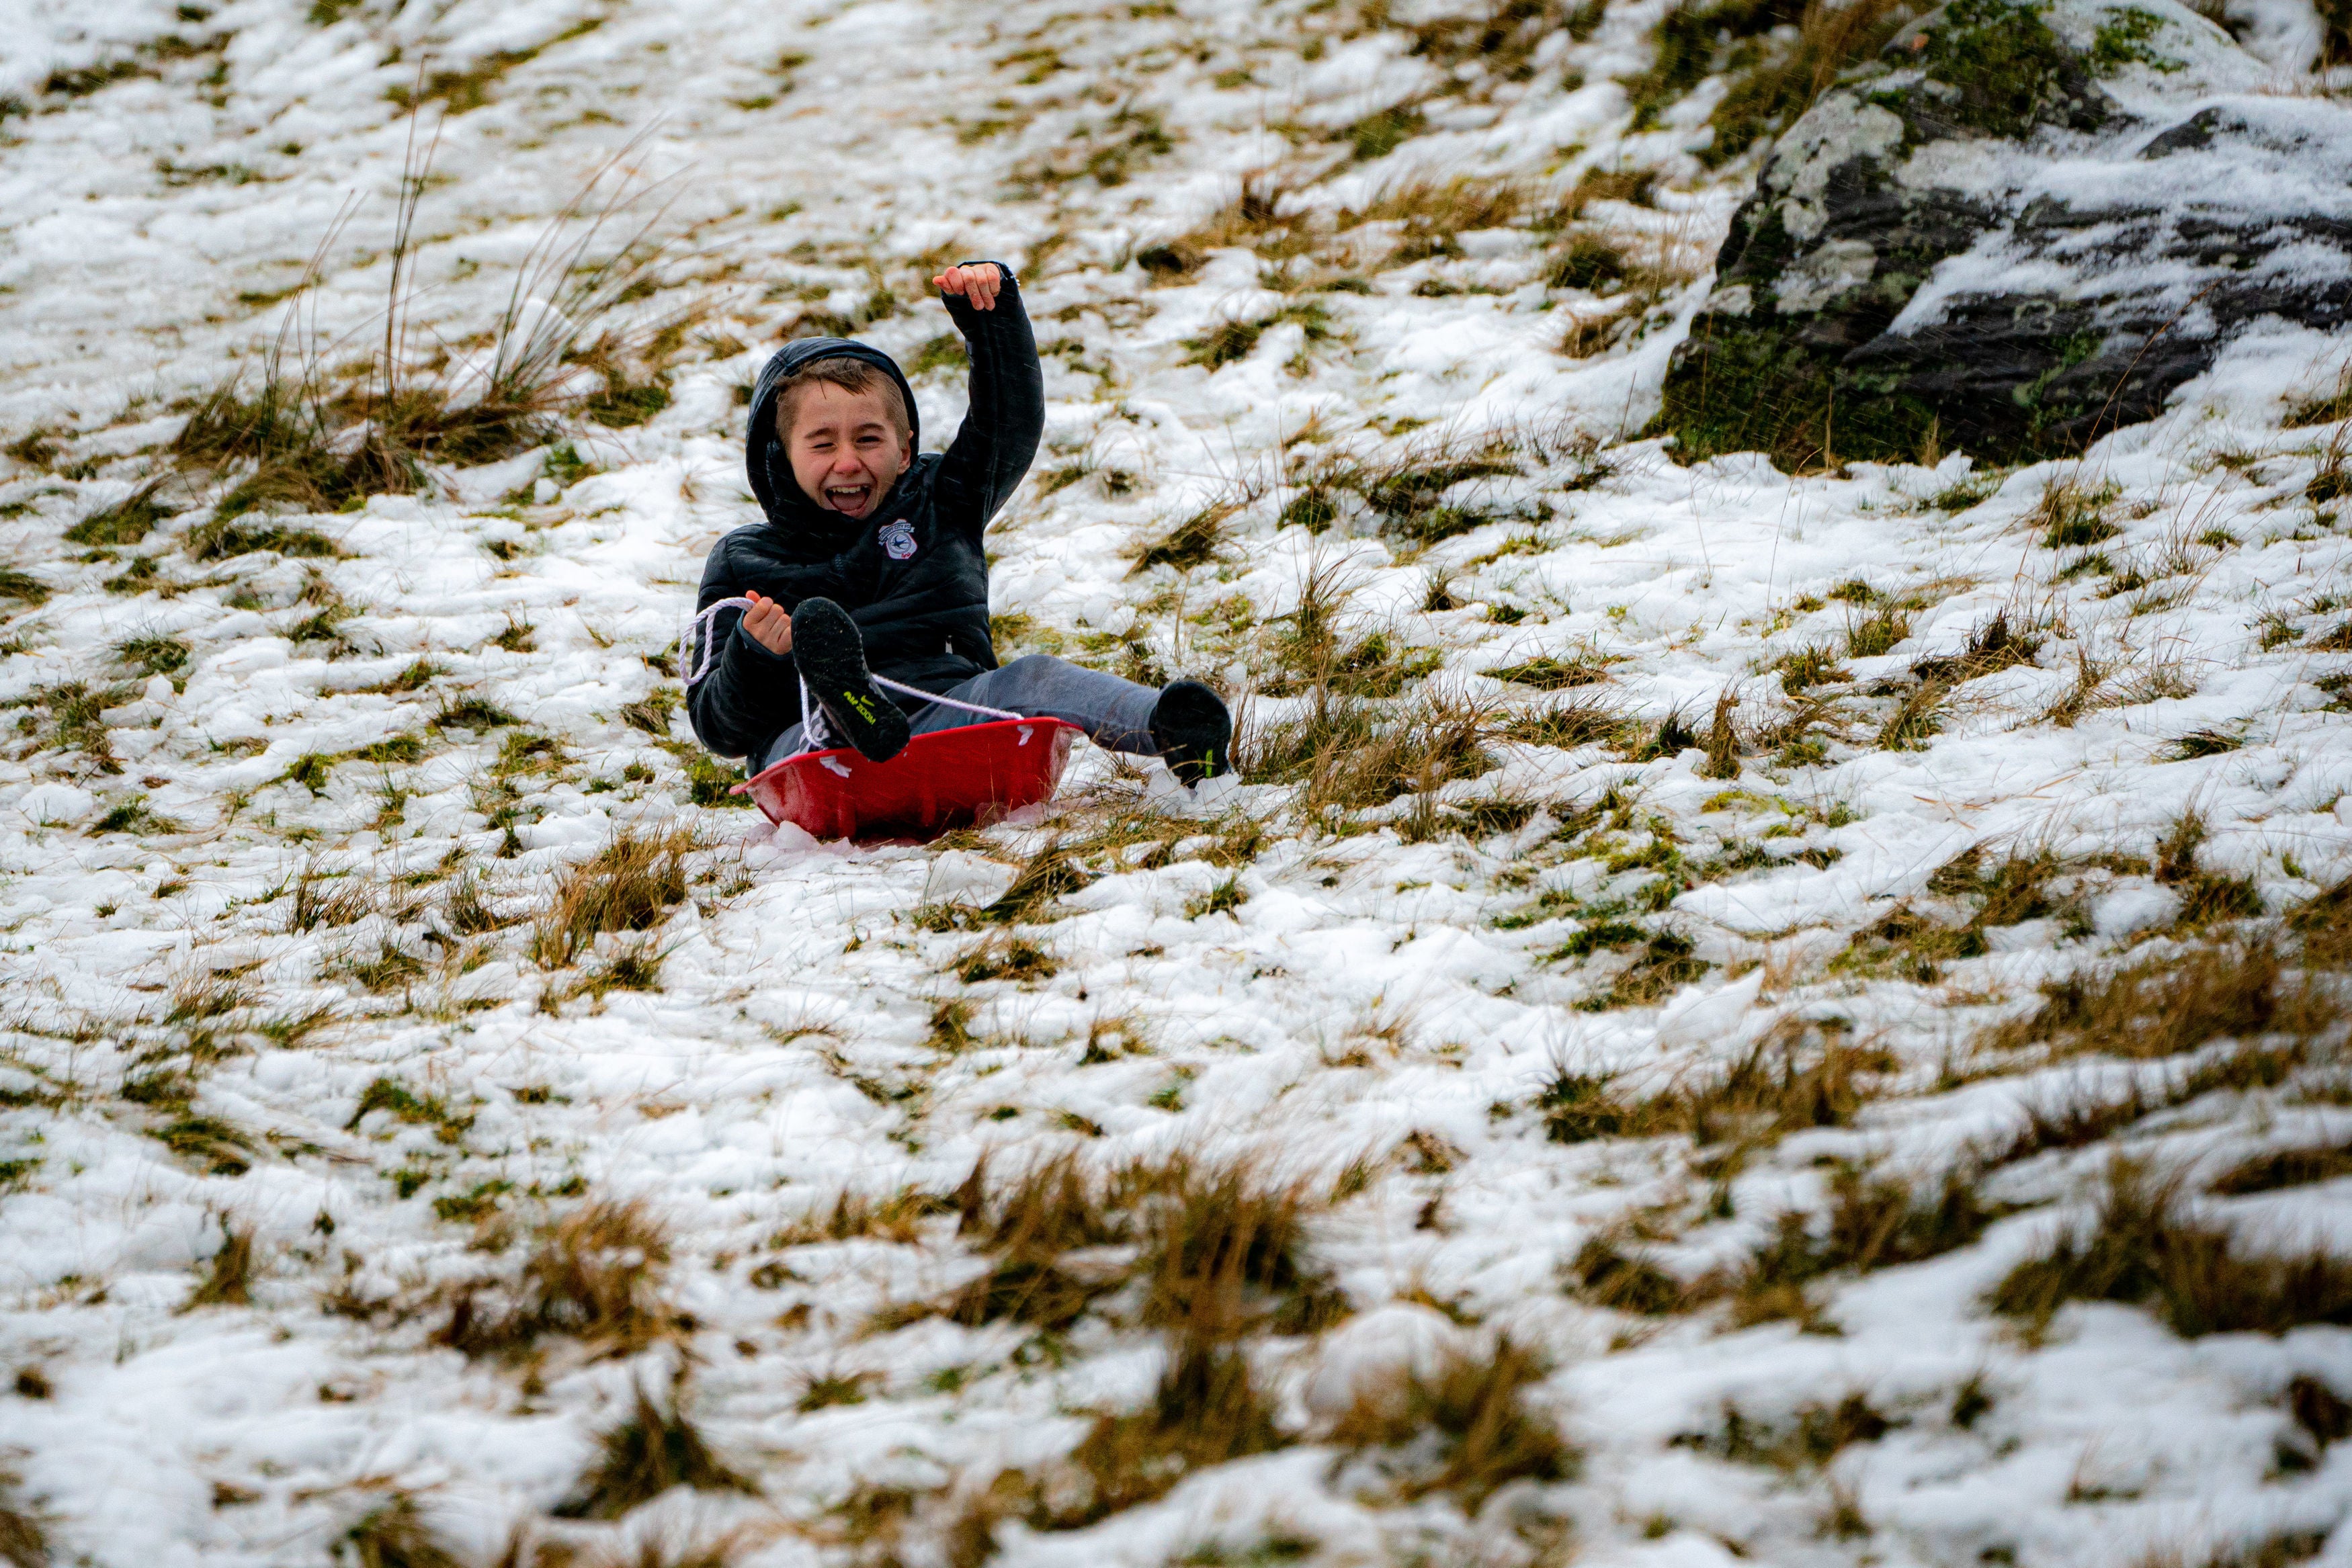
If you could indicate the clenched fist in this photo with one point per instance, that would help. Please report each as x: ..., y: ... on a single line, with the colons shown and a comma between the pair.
x: 767, y: 623
x: 978, y: 282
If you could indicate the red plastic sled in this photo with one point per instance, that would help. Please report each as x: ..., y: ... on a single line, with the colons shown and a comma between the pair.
x: 949, y: 779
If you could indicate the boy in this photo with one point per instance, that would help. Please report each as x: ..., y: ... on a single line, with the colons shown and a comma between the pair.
x: 870, y: 561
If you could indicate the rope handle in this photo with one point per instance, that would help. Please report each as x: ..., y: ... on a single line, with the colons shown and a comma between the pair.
x: 943, y: 702
x: 698, y: 648
x: 700, y: 633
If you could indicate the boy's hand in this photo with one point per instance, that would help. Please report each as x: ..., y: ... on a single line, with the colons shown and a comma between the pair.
x: 978, y: 283
x: 769, y: 624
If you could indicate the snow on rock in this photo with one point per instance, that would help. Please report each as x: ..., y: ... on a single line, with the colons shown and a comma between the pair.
x: 2019, y: 227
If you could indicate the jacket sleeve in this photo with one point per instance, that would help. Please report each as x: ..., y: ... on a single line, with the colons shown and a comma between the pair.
x: 748, y: 696
x: 1007, y: 416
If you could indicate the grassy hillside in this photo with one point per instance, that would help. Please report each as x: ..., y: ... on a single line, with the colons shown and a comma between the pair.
x: 1796, y: 1017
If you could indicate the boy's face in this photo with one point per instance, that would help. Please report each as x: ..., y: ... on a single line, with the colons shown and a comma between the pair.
x: 845, y: 452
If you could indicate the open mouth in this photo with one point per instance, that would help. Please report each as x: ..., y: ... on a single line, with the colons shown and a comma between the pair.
x: 848, y: 498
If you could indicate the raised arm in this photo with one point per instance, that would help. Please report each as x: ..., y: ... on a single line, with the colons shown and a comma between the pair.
x: 1007, y: 416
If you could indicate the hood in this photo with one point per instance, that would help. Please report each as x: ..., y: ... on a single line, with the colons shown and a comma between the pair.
x: 817, y: 529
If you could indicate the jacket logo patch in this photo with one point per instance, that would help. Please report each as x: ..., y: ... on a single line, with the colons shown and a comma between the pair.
x: 897, y: 539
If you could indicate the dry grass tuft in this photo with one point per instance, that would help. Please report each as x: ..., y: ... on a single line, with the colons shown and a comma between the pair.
x: 469, y: 912
x: 2075, y: 1123
x: 1220, y: 1256
x: 1605, y: 1275
x: 1875, y: 1222
x: 2320, y: 1411
x: 1311, y: 652
x: 2206, y: 896
x: 1579, y: 1107
x: 1550, y: 673
x: 1502, y: 40
x: 594, y: 1275
x: 1430, y: 213
x: 2283, y: 1551
x: 630, y: 884
x: 1430, y: 488
x: 1722, y: 738
x: 1812, y: 666
x: 1051, y: 1208
x: 1195, y: 540
x: 2143, y: 1248
x: 2323, y: 925
x: 1768, y: 96
x: 1219, y: 1252
x: 2284, y: 1168
x: 1054, y: 1208
x: 2072, y: 514
x: 2329, y: 407
x: 1568, y: 723
x: 1253, y: 218
x: 1207, y: 1410
x: 1597, y: 184
x: 1421, y: 217
x: 898, y: 1219
x: 1814, y: 1436
x: 316, y: 437
x: 1004, y: 956
x: 213, y: 995
x: 1992, y: 647
x: 1044, y: 877
x: 2165, y: 1005
x: 396, y: 1536
x: 126, y: 522
x: 647, y: 1454
x: 228, y: 1278
x: 1916, y: 946
x: 1786, y: 1082
x: 2078, y: 1123
x: 24, y: 1544
x: 330, y: 901
x: 1349, y: 754
x: 1473, y: 1407
x: 1225, y: 1252
x: 1878, y: 629
x: 633, y: 966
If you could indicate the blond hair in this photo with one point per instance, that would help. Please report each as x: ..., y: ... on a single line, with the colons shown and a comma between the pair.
x: 851, y: 376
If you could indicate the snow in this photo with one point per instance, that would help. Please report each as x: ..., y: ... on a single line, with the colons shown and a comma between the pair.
x: 1371, y: 987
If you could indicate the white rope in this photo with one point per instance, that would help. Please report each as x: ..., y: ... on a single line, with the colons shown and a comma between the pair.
x: 813, y: 732
x: 698, y: 633
x: 698, y: 651
x: 945, y: 702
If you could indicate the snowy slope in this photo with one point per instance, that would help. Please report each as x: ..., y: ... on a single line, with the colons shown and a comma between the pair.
x: 296, y: 1100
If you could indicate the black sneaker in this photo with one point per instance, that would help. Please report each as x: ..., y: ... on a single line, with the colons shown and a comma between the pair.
x: 1194, y: 731
x: 832, y: 657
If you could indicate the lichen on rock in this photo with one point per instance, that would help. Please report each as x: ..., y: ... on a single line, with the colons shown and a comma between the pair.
x: 1960, y: 244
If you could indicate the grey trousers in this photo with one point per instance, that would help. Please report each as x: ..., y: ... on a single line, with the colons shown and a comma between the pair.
x: 1114, y: 712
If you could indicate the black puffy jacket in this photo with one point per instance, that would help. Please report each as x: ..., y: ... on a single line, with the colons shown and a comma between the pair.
x: 923, y: 610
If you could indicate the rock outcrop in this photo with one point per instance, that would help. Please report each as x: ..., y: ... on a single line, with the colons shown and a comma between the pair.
x: 2019, y: 227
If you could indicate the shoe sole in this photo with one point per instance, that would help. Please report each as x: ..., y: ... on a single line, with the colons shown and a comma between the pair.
x: 832, y: 658
x: 1194, y: 731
